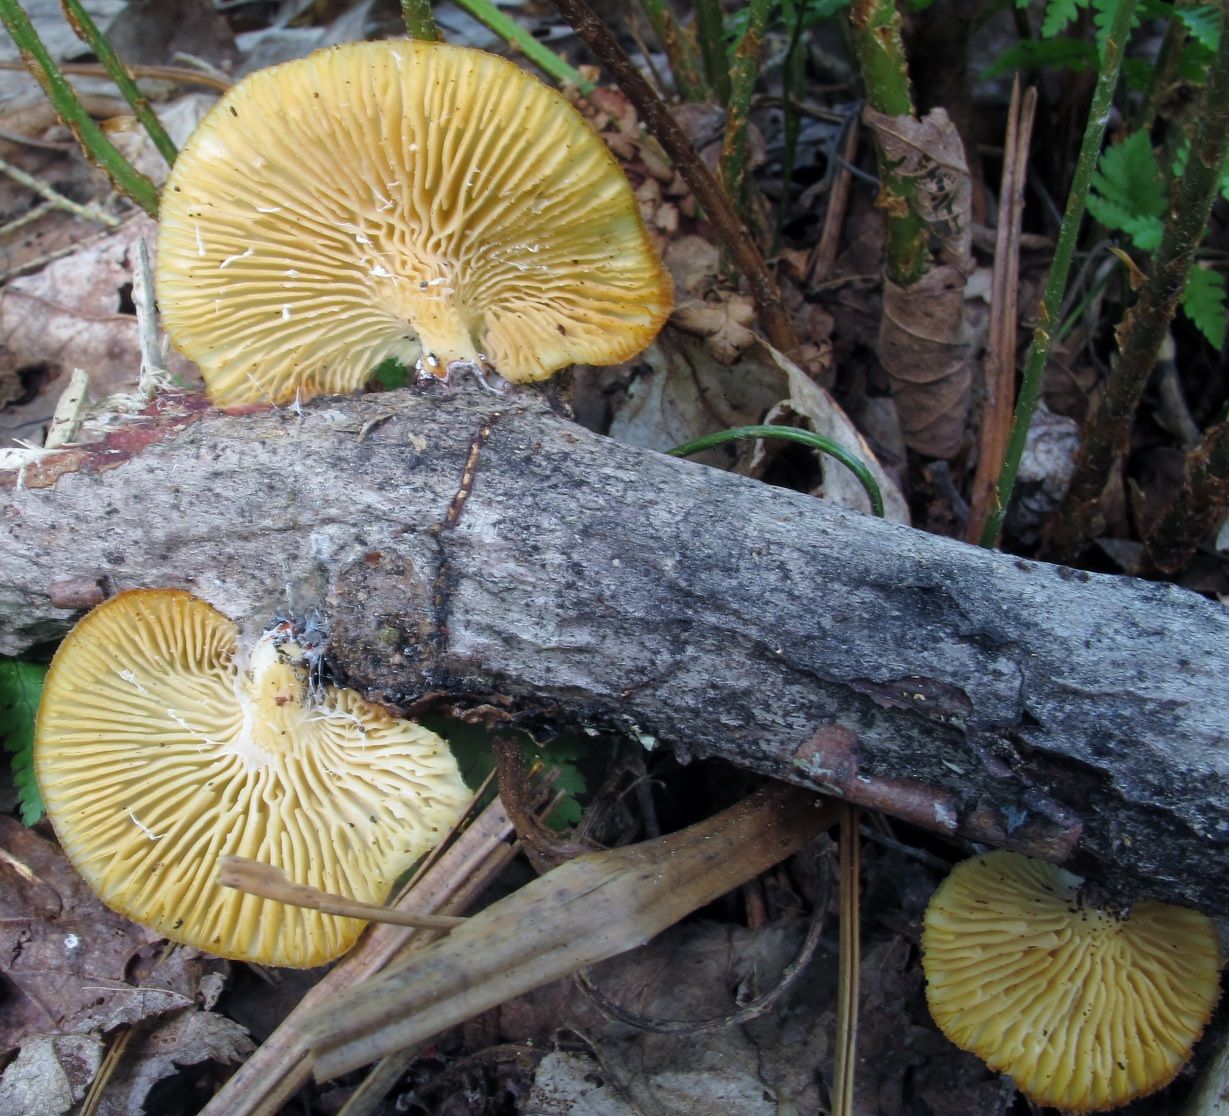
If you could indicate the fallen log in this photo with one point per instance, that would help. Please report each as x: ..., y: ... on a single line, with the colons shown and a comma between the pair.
x: 488, y: 550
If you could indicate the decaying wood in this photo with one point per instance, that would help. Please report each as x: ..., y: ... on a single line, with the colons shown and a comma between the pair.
x: 487, y: 549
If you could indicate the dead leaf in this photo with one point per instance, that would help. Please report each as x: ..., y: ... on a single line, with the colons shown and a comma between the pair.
x: 185, y: 1039
x: 722, y: 321
x: 75, y: 313
x: 63, y: 954
x: 924, y: 342
x: 50, y: 1074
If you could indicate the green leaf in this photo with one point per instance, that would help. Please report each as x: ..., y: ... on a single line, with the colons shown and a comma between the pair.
x: 1058, y: 16
x: 1043, y: 54
x: 1128, y: 191
x: 21, y: 686
x: 1203, y: 22
x: 1204, y: 304
x: 390, y: 374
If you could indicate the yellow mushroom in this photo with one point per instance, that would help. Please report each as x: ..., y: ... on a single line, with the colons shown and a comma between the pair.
x: 399, y: 199
x: 157, y: 754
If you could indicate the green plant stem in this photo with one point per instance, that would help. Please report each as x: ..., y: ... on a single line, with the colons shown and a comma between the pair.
x: 681, y: 49
x: 710, y: 28
x: 875, y: 28
x: 707, y: 190
x: 792, y: 434
x: 419, y: 22
x: 101, y: 151
x: 744, y: 71
x: 541, y: 56
x: 1199, y: 505
x: 1060, y: 269
x: 1107, y: 429
x: 87, y: 31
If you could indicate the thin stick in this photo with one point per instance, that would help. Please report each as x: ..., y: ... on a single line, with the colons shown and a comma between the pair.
x: 708, y: 192
x: 270, y: 882
x: 182, y: 75
x: 1064, y: 250
x: 87, y: 31
x: 1001, y: 350
x: 848, y: 963
x: 124, y: 176
x: 55, y: 198
x: 823, y: 260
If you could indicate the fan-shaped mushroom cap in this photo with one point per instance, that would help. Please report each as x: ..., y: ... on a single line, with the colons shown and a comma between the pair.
x: 1084, y: 1008
x: 399, y: 199
x: 156, y: 755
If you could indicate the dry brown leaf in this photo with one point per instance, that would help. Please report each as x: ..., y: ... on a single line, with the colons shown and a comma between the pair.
x: 75, y: 313
x: 62, y: 953
x: 50, y: 1074
x: 185, y: 1039
x: 721, y: 321
x: 924, y: 344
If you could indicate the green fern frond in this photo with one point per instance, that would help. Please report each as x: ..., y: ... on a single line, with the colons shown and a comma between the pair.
x: 21, y: 686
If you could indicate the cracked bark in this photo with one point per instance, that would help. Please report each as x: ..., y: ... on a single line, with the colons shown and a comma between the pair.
x: 489, y: 550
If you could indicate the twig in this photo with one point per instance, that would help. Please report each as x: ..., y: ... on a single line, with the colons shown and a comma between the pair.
x: 123, y: 175
x: 87, y: 31
x: 823, y: 258
x: 848, y: 966
x: 28, y: 218
x: 512, y: 32
x: 1107, y: 429
x: 270, y: 882
x: 272, y: 1075
x: 419, y: 22
x: 1064, y: 249
x: 59, y: 201
x: 708, y: 192
x: 183, y: 75
x: 1000, y: 373
x: 27, y: 266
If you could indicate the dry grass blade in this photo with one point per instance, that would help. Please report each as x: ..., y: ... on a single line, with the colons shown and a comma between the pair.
x: 584, y: 911
x: 849, y: 962
x: 1000, y: 371
x: 450, y: 881
x: 271, y: 883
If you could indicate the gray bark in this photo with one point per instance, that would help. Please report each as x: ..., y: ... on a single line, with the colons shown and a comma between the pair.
x: 1079, y: 717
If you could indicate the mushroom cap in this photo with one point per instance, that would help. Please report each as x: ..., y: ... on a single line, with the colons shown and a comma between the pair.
x: 1084, y: 1008
x: 157, y: 755
x: 399, y: 199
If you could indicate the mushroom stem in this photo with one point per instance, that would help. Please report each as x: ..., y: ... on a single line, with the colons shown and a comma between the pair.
x: 271, y: 883
x: 708, y: 191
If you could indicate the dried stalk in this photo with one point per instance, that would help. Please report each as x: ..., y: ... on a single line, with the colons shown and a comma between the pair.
x: 1000, y: 375
x: 589, y: 909
x: 1064, y: 249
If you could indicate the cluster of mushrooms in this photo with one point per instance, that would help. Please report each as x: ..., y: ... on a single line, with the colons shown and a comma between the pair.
x: 461, y: 213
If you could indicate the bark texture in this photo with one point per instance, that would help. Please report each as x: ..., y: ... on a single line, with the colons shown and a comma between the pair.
x: 489, y: 550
